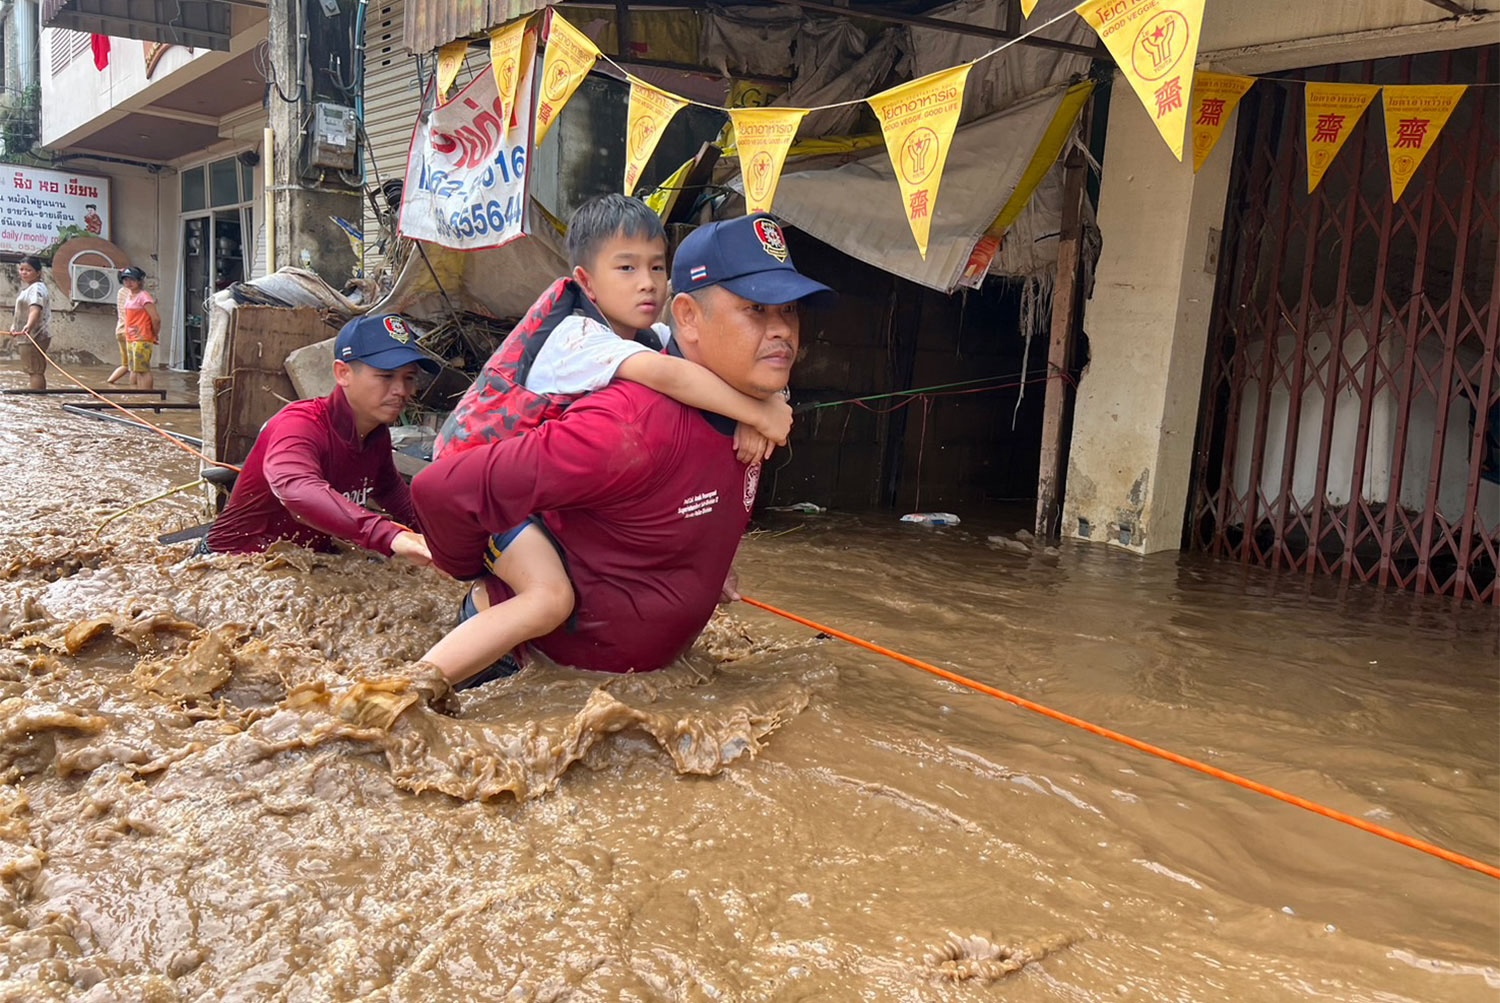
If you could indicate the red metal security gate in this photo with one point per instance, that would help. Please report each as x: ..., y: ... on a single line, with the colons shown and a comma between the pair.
x: 1351, y: 406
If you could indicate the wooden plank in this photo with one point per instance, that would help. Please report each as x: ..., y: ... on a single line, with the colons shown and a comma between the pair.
x: 262, y: 338
x: 1060, y: 351
x: 157, y: 406
x: 102, y: 391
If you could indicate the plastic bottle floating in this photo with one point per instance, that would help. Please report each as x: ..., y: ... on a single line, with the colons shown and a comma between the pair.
x: 931, y: 518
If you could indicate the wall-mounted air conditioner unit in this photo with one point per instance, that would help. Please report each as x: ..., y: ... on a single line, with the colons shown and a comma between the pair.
x: 94, y: 283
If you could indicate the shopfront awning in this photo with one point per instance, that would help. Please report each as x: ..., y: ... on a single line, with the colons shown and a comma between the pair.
x: 201, y: 24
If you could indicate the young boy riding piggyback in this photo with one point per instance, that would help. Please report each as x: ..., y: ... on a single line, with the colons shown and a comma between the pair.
x: 593, y: 326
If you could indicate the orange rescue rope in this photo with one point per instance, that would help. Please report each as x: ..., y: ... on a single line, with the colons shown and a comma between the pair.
x: 135, y: 418
x: 1171, y: 757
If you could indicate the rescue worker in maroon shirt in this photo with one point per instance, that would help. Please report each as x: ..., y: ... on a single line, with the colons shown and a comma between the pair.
x: 642, y: 496
x: 316, y: 463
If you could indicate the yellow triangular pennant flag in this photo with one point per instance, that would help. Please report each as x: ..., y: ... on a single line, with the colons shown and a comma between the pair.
x: 1214, y: 98
x: 1332, y: 110
x: 918, y: 119
x: 1155, y: 43
x: 450, y: 61
x: 569, y: 57
x: 762, y: 137
x: 1027, y: 6
x: 505, y: 63
x: 649, y: 112
x: 1414, y: 115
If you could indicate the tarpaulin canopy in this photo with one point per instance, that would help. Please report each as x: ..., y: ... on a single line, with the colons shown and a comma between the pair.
x: 856, y: 207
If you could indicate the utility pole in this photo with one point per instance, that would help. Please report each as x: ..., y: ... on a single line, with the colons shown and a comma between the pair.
x: 315, y: 173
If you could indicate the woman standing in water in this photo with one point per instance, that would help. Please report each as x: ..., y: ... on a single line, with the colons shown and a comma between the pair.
x: 142, y: 323
x: 33, y: 321
x: 124, y: 366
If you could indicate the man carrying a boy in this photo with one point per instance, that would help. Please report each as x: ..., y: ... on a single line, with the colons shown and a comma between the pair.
x: 587, y: 329
x: 641, y: 497
x: 317, y: 462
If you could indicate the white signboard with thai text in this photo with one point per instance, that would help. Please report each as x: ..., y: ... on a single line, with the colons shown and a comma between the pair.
x: 466, y: 176
x: 40, y: 208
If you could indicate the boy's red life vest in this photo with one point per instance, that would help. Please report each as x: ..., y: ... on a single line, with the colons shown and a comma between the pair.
x: 499, y: 406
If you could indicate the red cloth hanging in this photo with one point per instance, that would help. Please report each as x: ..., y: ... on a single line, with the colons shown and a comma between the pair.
x: 100, y: 45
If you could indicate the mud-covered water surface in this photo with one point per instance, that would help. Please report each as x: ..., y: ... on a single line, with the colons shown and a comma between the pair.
x: 215, y: 785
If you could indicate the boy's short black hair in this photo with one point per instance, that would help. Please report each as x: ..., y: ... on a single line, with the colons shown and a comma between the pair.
x: 606, y: 216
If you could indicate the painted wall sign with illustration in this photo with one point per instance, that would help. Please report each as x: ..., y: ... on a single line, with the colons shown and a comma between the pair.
x: 39, y: 209
x: 466, y: 177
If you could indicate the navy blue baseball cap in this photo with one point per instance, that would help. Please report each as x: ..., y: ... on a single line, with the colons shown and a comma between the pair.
x: 749, y: 257
x: 384, y: 341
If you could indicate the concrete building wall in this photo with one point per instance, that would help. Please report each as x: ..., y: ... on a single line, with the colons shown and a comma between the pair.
x: 74, y: 93
x: 1137, y: 405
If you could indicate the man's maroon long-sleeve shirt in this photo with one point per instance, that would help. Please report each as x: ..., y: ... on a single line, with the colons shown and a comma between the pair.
x: 645, y: 496
x: 307, y: 479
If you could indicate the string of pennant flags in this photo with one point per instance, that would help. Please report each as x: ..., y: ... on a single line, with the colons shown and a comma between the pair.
x: 1154, y: 42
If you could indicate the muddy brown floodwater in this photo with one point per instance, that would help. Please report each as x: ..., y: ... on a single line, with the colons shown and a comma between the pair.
x: 213, y: 788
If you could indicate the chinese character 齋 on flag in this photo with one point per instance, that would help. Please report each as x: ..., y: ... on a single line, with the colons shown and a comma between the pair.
x: 569, y: 57
x: 1414, y: 115
x: 1155, y: 43
x: 1214, y: 98
x: 1333, y: 110
x: 918, y: 120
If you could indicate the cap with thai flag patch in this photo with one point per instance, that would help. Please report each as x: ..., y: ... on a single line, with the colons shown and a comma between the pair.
x: 749, y: 257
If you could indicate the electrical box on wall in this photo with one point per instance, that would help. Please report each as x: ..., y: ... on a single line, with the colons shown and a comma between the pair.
x: 332, y: 141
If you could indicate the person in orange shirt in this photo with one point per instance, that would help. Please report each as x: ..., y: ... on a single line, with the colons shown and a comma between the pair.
x: 142, y: 324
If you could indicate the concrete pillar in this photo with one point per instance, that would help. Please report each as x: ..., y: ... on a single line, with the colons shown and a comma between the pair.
x: 306, y: 236
x: 1136, y: 414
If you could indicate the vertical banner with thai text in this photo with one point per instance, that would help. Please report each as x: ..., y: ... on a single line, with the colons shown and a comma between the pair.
x: 569, y: 57
x: 505, y: 62
x: 1155, y: 43
x: 647, y: 116
x: 918, y: 120
x: 1414, y: 115
x: 1214, y: 98
x: 762, y: 136
x: 1332, y: 111
x: 466, y: 175
x: 449, y: 61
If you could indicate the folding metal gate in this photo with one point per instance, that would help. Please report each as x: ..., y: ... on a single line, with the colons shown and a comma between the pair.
x: 1351, y: 406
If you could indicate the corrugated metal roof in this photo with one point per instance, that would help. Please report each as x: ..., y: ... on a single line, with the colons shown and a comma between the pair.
x: 431, y: 23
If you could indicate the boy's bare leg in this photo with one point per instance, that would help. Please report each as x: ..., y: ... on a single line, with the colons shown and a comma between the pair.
x: 542, y: 602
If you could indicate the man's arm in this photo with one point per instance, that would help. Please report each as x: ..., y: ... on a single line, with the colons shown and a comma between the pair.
x: 294, y: 468
x: 594, y: 454
x: 696, y: 386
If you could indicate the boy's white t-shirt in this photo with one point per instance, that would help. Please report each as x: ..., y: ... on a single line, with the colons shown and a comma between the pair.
x: 582, y: 355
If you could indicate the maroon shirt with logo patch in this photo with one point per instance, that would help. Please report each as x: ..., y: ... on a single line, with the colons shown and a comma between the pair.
x: 645, y: 496
x: 307, y: 479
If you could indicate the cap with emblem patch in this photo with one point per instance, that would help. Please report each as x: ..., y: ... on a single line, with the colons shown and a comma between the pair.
x: 749, y: 257
x: 384, y: 341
